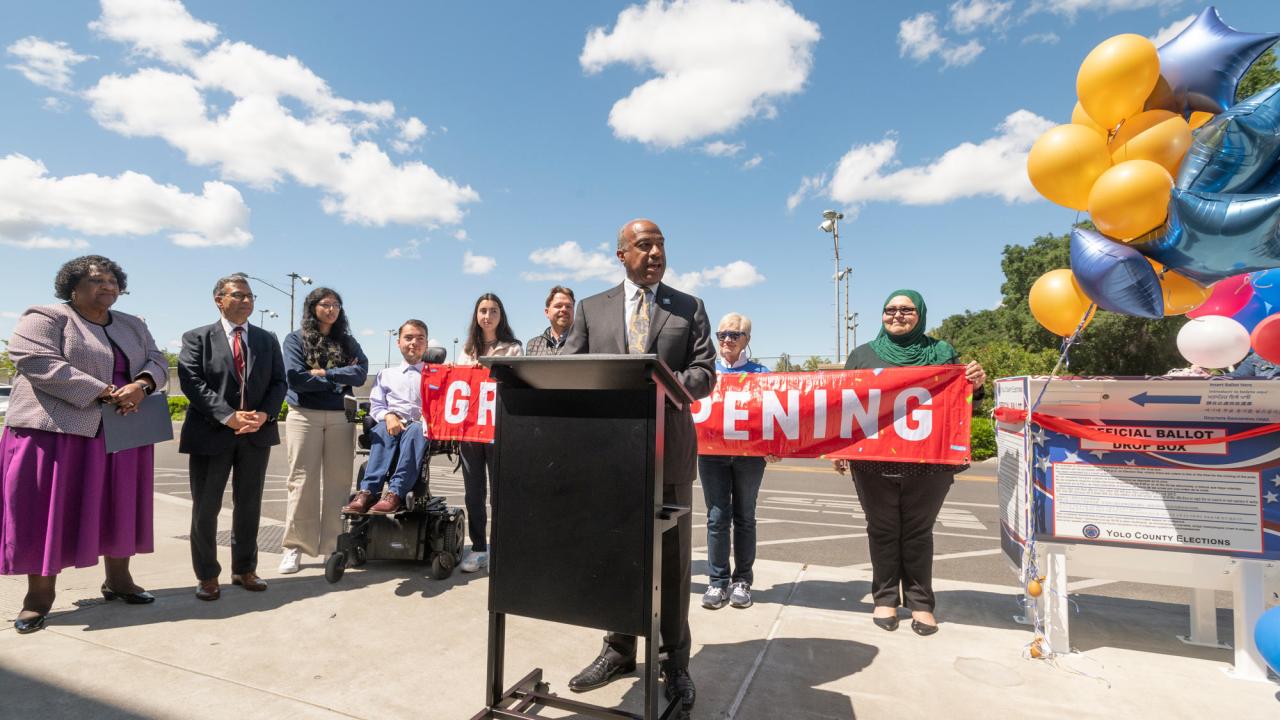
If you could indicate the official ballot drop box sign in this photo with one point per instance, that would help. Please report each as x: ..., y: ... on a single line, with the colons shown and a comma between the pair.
x: 1202, y: 516
x: 1219, y: 498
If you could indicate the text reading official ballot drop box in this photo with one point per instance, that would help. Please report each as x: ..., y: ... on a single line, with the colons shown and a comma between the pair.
x: 1172, y: 481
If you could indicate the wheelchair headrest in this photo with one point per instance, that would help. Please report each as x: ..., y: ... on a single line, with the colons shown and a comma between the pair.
x: 435, y: 354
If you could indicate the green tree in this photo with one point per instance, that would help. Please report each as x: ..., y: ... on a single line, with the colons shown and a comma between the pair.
x: 7, y: 368
x: 1261, y: 75
x: 171, y: 358
x: 813, y: 363
x: 784, y: 364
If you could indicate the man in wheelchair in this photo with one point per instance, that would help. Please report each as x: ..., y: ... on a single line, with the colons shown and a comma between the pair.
x: 395, y: 403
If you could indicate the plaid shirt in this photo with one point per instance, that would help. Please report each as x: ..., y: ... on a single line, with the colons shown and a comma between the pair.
x: 545, y: 344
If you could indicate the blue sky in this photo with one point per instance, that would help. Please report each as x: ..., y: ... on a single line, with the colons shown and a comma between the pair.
x: 415, y: 155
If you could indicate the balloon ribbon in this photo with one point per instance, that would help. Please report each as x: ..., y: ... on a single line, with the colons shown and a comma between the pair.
x: 1072, y: 428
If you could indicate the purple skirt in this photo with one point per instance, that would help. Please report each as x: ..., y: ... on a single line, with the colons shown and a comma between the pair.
x: 65, y: 502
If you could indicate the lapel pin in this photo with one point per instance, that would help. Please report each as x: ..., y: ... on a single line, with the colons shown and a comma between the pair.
x: 666, y: 301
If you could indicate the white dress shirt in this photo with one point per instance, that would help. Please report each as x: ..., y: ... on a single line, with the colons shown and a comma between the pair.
x: 629, y: 290
x: 397, y: 390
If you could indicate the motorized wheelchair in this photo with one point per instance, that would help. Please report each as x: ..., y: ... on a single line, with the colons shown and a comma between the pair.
x: 424, y: 530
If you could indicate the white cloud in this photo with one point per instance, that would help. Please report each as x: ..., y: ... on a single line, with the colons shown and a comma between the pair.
x: 919, y: 39
x: 368, y: 332
x: 994, y: 167
x: 971, y: 15
x: 160, y: 29
x: 568, y: 261
x: 260, y: 137
x: 737, y: 274
x: 408, y: 251
x: 55, y: 104
x: 719, y: 63
x: 47, y: 64
x: 174, y: 344
x: 44, y: 242
x: 473, y: 264
x: 807, y: 187
x: 753, y: 162
x: 722, y: 149
x: 32, y: 203
x: 460, y: 235
x: 10, y: 314
x: 1170, y: 31
x: 1044, y: 38
x: 1069, y: 8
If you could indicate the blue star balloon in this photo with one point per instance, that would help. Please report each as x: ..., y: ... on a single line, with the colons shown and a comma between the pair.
x: 1201, y: 67
x: 1224, y: 213
x: 1115, y: 276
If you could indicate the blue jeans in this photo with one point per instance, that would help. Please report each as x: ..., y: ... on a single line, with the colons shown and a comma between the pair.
x: 382, y: 449
x: 730, y: 486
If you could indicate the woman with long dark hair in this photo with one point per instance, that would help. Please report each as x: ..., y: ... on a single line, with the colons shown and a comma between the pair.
x: 489, y: 334
x: 322, y: 363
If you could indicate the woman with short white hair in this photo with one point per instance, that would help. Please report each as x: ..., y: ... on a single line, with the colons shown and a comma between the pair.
x: 730, y: 485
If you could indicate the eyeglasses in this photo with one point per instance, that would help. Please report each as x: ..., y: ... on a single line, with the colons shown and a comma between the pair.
x: 329, y: 305
x: 900, y: 311
x: 240, y: 297
x: 731, y: 335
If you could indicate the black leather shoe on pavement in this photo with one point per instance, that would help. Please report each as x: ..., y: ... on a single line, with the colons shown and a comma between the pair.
x: 679, y: 684
x: 924, y: 629
x: 599, y: 673
x: 886, y: 623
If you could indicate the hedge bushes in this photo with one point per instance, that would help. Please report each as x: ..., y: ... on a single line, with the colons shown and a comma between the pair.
x: 982, y: 439
x: 178, y: 405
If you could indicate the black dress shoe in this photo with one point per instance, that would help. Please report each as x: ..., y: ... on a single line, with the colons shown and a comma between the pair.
x: 138, y: 598
x: 920, y: 628
x: 29, y: 625
x: 680, y: 685
x: 886, y: 623
x: 599, y: 673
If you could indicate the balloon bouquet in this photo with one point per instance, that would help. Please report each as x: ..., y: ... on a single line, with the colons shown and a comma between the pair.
x: 1183, y: 186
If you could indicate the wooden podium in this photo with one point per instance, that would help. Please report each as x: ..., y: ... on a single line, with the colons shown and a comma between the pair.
x: 577, y: 512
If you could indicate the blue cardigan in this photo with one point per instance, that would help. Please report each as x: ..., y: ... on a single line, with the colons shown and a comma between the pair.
x: 319, y: 393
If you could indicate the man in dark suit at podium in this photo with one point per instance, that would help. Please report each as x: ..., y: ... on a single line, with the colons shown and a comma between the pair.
x: 233, y: 375
x: 643, y: 316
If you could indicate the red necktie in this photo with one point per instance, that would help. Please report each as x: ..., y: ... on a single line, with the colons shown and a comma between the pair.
x: 237, y: 356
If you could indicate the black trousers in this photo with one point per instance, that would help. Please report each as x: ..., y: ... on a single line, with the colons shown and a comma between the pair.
x: 477, y: 468
x: 900, y: 514
x: 677, y: 549
x: 246, y: 465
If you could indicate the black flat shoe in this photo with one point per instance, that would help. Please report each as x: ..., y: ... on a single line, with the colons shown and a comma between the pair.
x: 886, y: 623
x: 29, y: 625
x: 138, y: 598
x: 923, y: 629
x: 599, y: 673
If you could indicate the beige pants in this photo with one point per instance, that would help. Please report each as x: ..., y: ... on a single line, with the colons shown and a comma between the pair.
x: 321, y: 456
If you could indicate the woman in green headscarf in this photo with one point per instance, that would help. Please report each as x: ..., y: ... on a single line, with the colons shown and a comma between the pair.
x: 901, y: 500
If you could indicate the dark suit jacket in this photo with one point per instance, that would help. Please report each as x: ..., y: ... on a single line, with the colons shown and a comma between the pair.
x: 679, y: 334
x: 208, y: 379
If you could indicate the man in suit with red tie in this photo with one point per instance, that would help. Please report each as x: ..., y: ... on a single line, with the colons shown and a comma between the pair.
x: 233, y: 375
x: 643, y: 316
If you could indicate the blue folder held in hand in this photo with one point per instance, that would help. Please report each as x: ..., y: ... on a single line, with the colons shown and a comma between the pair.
x: 148, y: 426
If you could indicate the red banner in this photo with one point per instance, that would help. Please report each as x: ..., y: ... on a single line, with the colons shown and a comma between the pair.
x: 916, y: 414
x: 459, y: 402
x: 900, y: 414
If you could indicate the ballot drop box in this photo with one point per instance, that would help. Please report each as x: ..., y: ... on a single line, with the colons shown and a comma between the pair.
x: 1170, y: 481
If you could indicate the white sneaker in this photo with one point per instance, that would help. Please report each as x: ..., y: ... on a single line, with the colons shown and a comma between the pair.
x: 474, y: 561
x: 291, y: 562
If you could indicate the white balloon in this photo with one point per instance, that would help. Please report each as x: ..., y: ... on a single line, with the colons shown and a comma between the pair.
x: 1213, y: 341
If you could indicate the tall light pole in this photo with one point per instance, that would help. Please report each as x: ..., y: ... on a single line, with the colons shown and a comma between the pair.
x: 853, y: 328
x: 294, y: 278
x: 454, y: 356
x: 831, y: 223
x: 390, y: 334
x: 846, y: 275
x: 264, y: 314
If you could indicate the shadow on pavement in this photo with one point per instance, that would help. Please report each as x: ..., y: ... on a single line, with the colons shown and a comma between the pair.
x: 28, y: 697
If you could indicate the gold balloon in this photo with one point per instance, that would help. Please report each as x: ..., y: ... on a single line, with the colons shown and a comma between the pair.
x: 1199, y: 118
x: 1058, y: 303
x: 1034, y: 589
x: 1080, y: 117
x: 1181, y: 293
x: 1065, y: 162
x: 1156, y: 135
x: 1130, y: 199
x: 1116, y: 78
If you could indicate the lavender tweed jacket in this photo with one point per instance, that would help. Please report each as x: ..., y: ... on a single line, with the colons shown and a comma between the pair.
x: 64, y: 362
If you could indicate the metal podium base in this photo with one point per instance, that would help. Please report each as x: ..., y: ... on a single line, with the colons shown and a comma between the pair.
x: 531, y: 692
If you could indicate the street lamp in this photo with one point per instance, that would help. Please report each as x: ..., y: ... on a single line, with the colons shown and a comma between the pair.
x: 454, y: 356
x: 264, y: 314
x: 294, y: 278
x: 390, y: 334
x: 831, y: 223
x: 846, y: 275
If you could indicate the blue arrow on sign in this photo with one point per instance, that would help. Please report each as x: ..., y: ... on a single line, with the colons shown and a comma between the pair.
x: 1143, y: 398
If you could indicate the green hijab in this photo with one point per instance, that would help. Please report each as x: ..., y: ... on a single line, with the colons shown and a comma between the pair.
x: 914, y: 348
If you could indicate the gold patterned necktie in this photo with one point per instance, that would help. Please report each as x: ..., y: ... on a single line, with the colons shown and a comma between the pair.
x: 638, y: 329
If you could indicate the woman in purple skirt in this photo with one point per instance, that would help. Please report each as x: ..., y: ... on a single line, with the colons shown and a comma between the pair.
x: 64, y: 501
